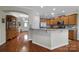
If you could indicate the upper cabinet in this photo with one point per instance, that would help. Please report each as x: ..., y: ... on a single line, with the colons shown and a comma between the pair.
x: 56, y: 20
x: 48, y: 21
x: 73, y: 19
x: 65, y: 19
x: 52, y: 21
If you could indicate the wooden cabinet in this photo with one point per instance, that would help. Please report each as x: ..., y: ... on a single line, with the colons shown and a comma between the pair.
x: 68, y: 20
x: 73, y: 19
x: 65, y: 19
x: 73, y: 34
x: 11, y: 30
x: 70, y: 34
x: 48, y: 21
x: 52, y: 21
x: 56, y: 20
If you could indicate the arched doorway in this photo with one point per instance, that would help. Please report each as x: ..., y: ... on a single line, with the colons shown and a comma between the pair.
x: 17, y: 25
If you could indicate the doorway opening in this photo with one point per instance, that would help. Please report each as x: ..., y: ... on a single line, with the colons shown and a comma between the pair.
x: 17, y: 25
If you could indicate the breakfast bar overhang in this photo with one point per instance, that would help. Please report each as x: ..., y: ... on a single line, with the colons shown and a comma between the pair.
x: 50, y: 38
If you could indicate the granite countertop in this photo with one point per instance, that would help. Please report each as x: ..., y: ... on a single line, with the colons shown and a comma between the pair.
x: 49, y: 29
x: 55, y: 29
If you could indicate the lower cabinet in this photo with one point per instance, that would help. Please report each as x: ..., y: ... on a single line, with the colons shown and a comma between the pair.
x: 73, y: 34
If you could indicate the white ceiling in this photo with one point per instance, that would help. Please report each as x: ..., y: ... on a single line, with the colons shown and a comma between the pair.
x: 43, y: 12
x: 17, y: 14
x: 47, y: 10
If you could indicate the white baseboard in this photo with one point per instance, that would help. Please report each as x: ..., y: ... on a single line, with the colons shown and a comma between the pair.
x: 2, y: 42
x: 59, y: 46
x: 41, y: 45
x: 50, y: 47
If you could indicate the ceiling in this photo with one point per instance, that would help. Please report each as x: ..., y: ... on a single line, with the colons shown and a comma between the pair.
x: 47, y: 10
x: 44, y: 12
x: 17, y: 14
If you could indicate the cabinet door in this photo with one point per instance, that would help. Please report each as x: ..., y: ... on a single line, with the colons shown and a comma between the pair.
x: 65, y: 20
x: 56, y: 20
x: 72, y: 19
x: 48, y: 22
x: 51, y: 21
x: 73, y: 34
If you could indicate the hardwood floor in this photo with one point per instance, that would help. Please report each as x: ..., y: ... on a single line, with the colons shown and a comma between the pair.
x: 16, y: 45
x: 72, y: 47
x: 21, y: 44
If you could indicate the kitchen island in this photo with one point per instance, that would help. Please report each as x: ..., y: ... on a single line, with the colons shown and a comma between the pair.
x: 49, y: 38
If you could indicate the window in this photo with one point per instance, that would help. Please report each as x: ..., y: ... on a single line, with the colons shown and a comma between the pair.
x: 25, y: 24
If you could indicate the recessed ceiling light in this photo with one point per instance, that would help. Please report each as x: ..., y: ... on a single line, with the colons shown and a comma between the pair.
x: 52, y: 13
x: 41, y: 6
x: 54, y: 9
x: 63, y: 11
